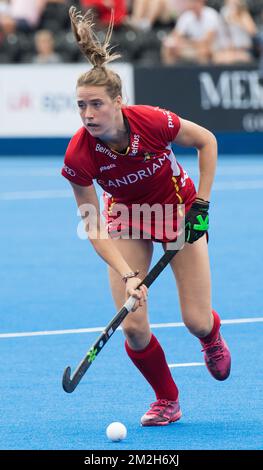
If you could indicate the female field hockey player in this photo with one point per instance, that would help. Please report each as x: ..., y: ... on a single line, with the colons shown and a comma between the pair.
x: 127, y: 149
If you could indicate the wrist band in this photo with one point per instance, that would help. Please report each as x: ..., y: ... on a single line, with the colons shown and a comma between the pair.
x: 201, y: 199
x: 130, y: 275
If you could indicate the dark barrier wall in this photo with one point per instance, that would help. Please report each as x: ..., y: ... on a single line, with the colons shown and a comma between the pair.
x: 228, y: 101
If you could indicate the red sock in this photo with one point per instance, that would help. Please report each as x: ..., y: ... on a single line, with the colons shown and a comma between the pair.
x: 152, y: 364
x: 214, y: 332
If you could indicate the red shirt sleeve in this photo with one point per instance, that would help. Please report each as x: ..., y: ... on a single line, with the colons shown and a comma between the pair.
x: 168, y: 123
x: 78, y: 166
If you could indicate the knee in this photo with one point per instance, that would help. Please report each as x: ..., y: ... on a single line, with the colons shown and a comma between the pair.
x: 132, y: 331
x: 137, y: 334
x: 199, y: 328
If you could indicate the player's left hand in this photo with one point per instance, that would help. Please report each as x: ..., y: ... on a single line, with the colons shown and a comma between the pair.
x: 196, y: 221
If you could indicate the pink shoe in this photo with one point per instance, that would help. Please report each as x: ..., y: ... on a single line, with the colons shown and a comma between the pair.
x: 161, y: 413
x: 217, y: 358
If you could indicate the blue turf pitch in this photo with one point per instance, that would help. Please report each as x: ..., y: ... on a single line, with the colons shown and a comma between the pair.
x: 53, y: 281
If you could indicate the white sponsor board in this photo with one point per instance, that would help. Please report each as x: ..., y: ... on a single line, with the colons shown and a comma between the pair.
x: 39, y: 101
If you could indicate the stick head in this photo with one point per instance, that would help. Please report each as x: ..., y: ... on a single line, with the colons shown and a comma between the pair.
x: 66, y: 382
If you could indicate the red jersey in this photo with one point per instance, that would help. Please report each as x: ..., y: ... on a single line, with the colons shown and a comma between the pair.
x: 147, y: 173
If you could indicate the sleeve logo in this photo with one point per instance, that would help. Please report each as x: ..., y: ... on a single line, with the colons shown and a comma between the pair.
x: 69, y: 171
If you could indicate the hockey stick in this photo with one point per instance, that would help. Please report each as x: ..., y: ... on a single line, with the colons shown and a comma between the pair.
x: 69, y: 384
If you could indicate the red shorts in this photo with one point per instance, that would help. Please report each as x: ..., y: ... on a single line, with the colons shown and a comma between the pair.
x: 156, y: 221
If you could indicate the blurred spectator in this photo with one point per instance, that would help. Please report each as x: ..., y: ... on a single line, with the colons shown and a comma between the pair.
x: 8, y: 39
x: 103, y: 10
x: 179, y: 5
x: 9, y: 46
x: 259, y: 46
x: 7, y: 22
x: 193, y: 36
x: 25, y: 13
x: 260, y: 69
x: 3, y: 6
x: 237, y: 30
x: 44, y: 44
x: 145, y: 13
x: 55, y: 15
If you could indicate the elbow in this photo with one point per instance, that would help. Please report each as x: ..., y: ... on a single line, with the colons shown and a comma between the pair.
x: 212, y: 138
x: 214, y: 143
x: 210, y: 142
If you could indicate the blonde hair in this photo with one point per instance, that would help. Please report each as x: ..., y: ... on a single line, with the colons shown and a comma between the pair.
x: 97, y: 53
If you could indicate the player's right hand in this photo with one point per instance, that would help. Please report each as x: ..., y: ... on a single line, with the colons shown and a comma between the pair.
x: 139, y: 294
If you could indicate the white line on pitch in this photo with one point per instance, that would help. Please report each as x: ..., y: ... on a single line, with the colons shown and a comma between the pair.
x: 226, y: 170
x: 237, y: 185
x: 31, y: 172
x: 45, y: 194
x: 64, y: 193
x: 224, y: 322
x: 101, y: 328
x: 187, y: 364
